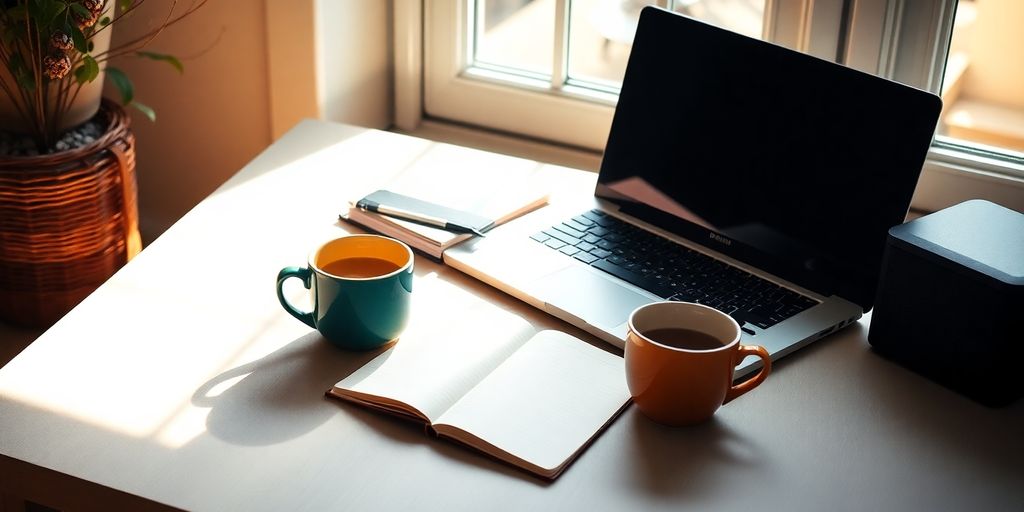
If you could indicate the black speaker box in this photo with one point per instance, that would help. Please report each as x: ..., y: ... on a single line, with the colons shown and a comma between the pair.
x: 950, y: 301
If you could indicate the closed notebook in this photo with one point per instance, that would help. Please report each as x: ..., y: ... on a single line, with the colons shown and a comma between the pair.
x: 480, y: 184
x: 486, y: 379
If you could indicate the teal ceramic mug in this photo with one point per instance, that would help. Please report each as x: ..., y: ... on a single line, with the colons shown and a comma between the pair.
x: 362, y: 286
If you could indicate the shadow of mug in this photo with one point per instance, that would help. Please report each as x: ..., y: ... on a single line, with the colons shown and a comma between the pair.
x: 689, y: 462
x: 280, y: 396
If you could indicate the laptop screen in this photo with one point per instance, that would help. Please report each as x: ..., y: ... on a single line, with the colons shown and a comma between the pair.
x: 792, y: 164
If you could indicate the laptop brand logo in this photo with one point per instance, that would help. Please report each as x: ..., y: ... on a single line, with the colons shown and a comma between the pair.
x: 720, y: 239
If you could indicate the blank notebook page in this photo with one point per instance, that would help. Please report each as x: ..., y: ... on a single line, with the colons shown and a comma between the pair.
x: 545, y: 401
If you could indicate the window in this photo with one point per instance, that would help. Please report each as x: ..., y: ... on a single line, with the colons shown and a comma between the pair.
x: 983, y: 91
x: 983, y: 83
x: 550, y: 69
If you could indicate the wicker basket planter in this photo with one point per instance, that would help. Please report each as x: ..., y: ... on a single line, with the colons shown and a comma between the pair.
x: 68, y: 221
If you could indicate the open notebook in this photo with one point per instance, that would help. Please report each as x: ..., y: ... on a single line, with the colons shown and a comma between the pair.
x: 486, y: 379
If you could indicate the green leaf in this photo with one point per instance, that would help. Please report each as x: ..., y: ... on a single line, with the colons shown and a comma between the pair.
x: 51, y: 9
x: 88, y: 71
x: 80, y: 10
x: 105, y: 21
x: 170, y: 59
x: 15, y: 31
x: 122, y: 83
x: 77, y: 37
x: 11, y: 33
x: 149, y: 112
x: 26, y: 80
x: 35, y: 9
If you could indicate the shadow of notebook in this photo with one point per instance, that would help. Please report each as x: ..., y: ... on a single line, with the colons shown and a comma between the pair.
x: 737, y: 174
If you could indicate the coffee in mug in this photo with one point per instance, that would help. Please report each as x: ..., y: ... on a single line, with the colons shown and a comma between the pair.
x: 688, y: 339
x: 360, y: 267
x: 680, y: 359
x: 361, y: 284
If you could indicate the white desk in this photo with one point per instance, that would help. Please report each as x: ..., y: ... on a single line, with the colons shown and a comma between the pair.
x: 183, y: 383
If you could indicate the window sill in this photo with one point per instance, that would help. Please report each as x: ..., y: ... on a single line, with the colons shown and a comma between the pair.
x: 950, y: 177
x: 507, y: 144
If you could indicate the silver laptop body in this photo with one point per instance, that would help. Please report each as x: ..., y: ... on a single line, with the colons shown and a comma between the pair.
x: 769, y: 161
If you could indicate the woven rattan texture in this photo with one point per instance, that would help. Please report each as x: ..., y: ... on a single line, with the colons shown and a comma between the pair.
x: 68, y: 221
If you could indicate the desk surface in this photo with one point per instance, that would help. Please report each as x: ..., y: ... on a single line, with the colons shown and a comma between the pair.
x: 182, y: 382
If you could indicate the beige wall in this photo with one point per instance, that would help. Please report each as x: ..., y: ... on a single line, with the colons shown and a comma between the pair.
x: 218, y: 115
x: 210, y: 120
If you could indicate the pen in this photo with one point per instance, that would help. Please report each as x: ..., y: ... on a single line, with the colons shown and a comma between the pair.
x: 398, y: 213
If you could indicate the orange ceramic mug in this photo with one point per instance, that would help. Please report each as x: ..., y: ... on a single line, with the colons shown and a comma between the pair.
x: 680, y: 359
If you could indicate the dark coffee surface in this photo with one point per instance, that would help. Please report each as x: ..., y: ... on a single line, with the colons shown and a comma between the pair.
x: 684, y: 338
x: 360, y: 267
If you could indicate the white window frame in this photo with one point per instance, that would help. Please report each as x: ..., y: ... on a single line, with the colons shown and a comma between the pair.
x: 553, y: 110
x: 898, y: 39
x: 477, y: 96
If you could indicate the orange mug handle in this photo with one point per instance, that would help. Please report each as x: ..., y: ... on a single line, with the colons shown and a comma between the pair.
x: 753, y: 382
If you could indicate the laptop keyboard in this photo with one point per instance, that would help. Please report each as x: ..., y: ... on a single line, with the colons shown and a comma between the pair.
x: 672, y: 271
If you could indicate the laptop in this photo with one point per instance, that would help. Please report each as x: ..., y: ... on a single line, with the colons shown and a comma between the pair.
x: 738, y: 174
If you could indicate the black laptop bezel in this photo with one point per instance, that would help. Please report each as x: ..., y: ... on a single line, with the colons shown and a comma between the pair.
x: 854, y: 283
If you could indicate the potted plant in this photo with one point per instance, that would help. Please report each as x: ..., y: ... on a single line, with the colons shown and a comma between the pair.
x: 68, y: 212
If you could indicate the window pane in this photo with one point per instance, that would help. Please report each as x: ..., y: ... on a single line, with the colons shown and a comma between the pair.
x: 515, y: 34
x: 983, y: 85
x: 743, y: 16
x: 601, y: 31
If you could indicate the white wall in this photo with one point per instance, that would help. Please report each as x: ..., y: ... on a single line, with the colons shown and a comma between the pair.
x: 354, y: 50
x: 218, y: 115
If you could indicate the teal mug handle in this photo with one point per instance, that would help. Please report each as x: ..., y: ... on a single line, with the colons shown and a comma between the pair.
x: 302, y: 273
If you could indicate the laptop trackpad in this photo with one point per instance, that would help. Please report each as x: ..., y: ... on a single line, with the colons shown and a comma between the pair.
x: 594, y: 299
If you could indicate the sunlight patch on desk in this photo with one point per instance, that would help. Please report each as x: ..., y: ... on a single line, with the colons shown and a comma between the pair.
x: 386, y: 154
x: 190, y: 422
x: 187, y: 425
x: 156, y: 358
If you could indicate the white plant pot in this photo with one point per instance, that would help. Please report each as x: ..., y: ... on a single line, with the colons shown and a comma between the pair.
x: 85, y: 105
